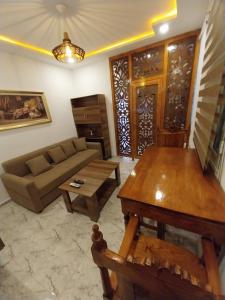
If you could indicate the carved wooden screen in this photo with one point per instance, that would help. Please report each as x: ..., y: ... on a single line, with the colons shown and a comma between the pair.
x: 154, y: 113
x: 180, y: 65
x: 147, y: 63
x: 120, y: 81
x: 145, y: 98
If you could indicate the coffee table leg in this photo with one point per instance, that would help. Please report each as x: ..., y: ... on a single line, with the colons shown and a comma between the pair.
x: 93, y: 208
x: 117, y: 173
x: 67, y: 201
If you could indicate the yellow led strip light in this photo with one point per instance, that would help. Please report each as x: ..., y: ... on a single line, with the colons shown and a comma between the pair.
x: 162, y: 17
x: 25, y: 45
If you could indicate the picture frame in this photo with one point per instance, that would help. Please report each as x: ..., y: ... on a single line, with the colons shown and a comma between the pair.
x: 21, y: 108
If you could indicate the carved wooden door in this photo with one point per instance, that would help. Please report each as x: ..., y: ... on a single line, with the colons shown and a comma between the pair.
x: 146, y: 107
x: 152, y: 89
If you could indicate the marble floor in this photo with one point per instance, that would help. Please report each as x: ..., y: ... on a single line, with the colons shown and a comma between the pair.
x: 47, y: 256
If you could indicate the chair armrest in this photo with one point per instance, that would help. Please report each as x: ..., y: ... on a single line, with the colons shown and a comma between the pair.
x: 95, y: 145
x: 128, y: 238
x: 19, y: 185
x: 130, y: 232
x: 211, y: 265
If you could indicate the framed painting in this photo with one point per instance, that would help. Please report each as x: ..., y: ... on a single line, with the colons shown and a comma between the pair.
x: 19, y: 109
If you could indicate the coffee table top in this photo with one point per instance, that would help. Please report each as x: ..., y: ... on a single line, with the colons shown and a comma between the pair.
x: 94, y: 175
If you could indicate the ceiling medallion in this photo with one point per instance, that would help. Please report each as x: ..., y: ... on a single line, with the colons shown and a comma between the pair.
x: 68, y: 52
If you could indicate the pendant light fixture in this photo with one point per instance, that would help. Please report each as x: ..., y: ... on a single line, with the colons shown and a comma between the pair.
x: 67, y: 52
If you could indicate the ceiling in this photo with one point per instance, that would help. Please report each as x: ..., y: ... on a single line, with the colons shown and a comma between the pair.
x: 98, y: 26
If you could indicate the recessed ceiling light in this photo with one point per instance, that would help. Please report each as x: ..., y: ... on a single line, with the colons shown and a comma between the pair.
x: 148, y: 55
x: 164, y: 28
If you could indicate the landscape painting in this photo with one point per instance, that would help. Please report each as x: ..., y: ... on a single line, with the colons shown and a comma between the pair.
x: 19, y: 109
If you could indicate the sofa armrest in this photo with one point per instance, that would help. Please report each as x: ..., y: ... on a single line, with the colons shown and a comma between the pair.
x: 95, y: 145
x: 20, y: 185
x: 22, y: 191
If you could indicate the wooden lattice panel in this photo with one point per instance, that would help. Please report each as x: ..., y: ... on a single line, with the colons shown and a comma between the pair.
x: 180, y: 65
x: 147, y: 63
x: 172, y: 70
x: 146, y: 102
x: 120, y: 74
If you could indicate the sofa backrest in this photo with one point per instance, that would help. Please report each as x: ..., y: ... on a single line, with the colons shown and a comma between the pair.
x: 17, y: 166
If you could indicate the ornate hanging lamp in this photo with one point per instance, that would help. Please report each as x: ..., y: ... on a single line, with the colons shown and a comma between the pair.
x: 67, y: 52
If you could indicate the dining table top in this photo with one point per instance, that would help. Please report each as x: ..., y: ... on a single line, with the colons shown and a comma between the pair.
x: 172, y: 178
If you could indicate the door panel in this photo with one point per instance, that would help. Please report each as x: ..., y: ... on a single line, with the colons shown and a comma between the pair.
x: 146, y: 98
x: 180, y: 66
x: 121, y: 86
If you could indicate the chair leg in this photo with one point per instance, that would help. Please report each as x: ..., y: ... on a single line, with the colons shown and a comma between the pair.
x: 106, y: 284
x: 126, y: 289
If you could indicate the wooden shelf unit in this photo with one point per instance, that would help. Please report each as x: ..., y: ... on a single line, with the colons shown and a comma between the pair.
x: 90, y: 117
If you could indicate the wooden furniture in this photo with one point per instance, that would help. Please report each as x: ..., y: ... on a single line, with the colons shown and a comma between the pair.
x: 149, y: 268
x: 152, y: 89
x: 173, y: 140
x: 167, y: 185
x: 100, y: 140
x: 37, y: 192
x: 95, y: 191
x: 1, y: 244
x: 90, y: 117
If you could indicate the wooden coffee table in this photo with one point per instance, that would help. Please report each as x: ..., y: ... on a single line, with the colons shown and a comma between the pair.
x: 94, y: 193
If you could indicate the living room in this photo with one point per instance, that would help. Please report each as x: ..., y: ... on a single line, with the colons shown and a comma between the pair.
x: 132, y: 110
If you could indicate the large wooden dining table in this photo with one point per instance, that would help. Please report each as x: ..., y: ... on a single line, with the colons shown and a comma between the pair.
x: 168, y: 185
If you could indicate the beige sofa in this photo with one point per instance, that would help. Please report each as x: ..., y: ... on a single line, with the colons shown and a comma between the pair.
x: 36, y: 192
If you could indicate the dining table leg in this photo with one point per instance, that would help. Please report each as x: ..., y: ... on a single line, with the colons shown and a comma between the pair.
x: 126, y: 219
x: 161, y: 230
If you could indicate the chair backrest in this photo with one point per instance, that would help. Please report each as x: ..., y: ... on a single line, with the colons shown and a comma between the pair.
x: 179, y: 140
x: 144, y: 279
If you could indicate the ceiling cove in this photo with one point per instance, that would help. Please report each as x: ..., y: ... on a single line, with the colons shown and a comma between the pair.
x: 164, y: 16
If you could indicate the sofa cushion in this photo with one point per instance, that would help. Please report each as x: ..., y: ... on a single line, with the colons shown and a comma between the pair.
x: 48, y: 181
x: 69, y: 148
x: 80, y: 144
x: 38, y: 165
x: 80, y: 159
x: 61, y: 172
x: 57, y: 154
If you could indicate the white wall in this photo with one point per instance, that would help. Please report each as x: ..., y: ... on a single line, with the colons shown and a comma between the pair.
x: 94, y: 78
x: 197, y: 83
x: 18, y: 73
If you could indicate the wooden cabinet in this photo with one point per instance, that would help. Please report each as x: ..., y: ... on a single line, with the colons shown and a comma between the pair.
x: 90, y: 117
x: 87, y: 115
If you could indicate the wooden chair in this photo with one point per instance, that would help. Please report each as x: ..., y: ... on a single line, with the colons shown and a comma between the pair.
x: 175, y: 139
x: 149, y: 268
